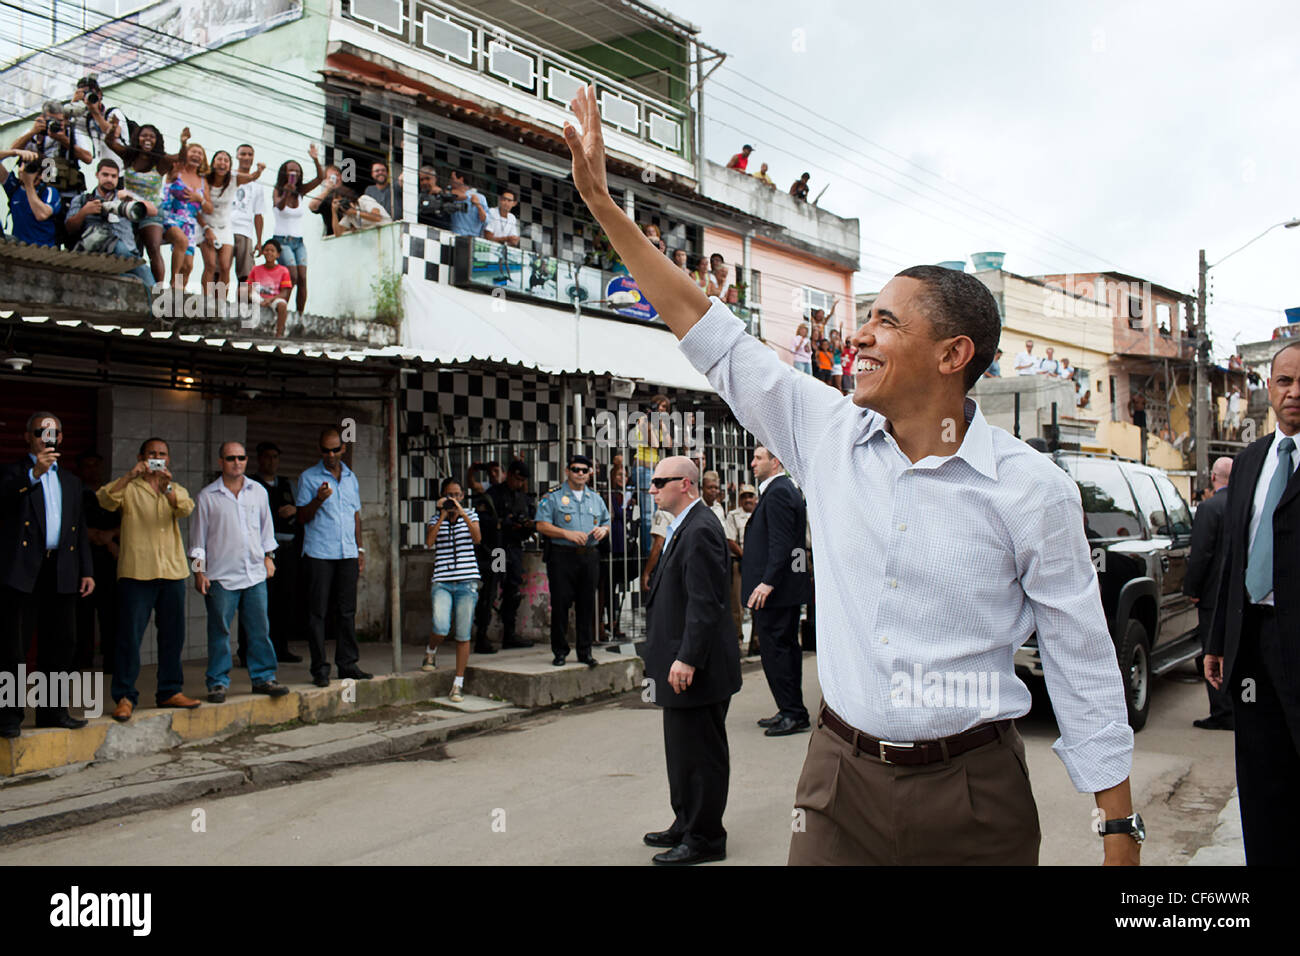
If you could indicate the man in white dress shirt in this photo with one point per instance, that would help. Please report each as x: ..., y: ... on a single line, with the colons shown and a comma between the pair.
x: 1026, y: 364
x: 944, y: 543
x: 232, y: 538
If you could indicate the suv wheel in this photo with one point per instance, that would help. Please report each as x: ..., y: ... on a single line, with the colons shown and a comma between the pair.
x: 1134, y: 655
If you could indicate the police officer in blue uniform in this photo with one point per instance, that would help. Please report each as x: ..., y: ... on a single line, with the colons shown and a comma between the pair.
x: 574, y: 519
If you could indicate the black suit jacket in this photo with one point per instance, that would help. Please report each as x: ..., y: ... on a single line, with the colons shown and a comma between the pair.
x: 1205, y: 562
x: 1225, y: 633
x: 775, y: 530
x: 688, y: 612
x: 22, y: 531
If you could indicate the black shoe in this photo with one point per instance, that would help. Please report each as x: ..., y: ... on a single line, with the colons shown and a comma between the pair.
x: 321, y: 681
x: 664, y: 838
x: 589, y: 661
x: 769, y: 721
x: 1212, y: 723
x: 64, y: 720
x: 484, y: 647
x: 513, y: 642
x: 683, y: 855
x: 786, y: 726
x: 271, y: 688
x: 9, y: 733
x: 356, y: 673
x: 288, y: 657
x: 558, y: 660
x: 216, y: 695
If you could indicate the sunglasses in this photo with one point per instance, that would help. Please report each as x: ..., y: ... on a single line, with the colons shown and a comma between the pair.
x: 40, y: 432
x: 663, y: 482
x: 336, y: 450
x: 236, y: 458
x: 579, y: 470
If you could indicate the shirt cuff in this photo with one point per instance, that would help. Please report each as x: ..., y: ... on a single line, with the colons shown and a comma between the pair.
x: 1101, y: 761
x: 711, y: 337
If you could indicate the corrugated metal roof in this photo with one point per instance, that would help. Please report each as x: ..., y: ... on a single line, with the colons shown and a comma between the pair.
x: 96, y: 262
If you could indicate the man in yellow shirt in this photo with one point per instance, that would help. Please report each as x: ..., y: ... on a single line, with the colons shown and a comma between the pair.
x: 151, y: 574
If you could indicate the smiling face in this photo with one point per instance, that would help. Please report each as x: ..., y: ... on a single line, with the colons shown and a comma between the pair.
x: 221, y: 163
x: 147, y: 139
x: 379, y: 173
x: 897, y: 354
x: 245, y: 156
x: 194, y: 156
x: 1284, y: 389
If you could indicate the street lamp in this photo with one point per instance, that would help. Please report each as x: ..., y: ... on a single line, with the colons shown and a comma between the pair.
x: 1203, y: 357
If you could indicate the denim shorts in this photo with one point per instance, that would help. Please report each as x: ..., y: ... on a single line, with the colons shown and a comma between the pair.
x: 805, y: 367
x: 453, y: 603
x: 292, y: 251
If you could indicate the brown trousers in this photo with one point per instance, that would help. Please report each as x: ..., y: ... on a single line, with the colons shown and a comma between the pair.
x: 976, y: 809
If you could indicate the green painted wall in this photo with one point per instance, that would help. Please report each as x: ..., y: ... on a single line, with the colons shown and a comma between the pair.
x: 631, y: 58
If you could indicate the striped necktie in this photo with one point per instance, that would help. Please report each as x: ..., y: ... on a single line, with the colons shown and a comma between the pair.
x: 1259, y: 571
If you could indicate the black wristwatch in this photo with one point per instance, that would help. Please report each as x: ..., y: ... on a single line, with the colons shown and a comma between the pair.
x: 1131, y: 825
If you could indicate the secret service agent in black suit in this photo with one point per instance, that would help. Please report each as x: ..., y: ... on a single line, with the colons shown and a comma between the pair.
x: 774, y: 584
x: 1201, y: 583
x: 692, y: 665
x: 1254, y: 651
x: 43, y: 567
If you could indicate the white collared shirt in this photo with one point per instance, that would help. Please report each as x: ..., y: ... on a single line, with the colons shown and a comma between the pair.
x: 939, y: 568
x: 233, y: 534
x: 1026, y: 364
x: 762, y: 485
x: 1261, y: 490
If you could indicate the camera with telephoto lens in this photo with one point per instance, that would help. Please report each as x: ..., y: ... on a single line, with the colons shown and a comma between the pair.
x: 75, y: 110
x: 131, y: 209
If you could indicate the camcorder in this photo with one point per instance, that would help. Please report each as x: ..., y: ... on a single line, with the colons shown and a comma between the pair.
x: 436, y: 209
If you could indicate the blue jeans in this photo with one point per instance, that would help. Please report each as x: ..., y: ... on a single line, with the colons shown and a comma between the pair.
x: 645, y: 503
x: 293, y: 252
x: 805, y: 367
x: 136, y: 600
x: 453, y: 604
x: 253, y: 625
x: 142, y: 271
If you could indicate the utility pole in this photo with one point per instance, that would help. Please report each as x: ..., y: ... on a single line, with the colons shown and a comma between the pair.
x: 1202, y: 383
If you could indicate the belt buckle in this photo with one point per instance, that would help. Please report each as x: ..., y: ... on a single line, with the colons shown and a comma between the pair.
x: 889, y: 743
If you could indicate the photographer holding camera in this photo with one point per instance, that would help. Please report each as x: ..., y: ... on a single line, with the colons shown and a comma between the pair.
x: 93, y: 120
x: 33, y: 205
x: 453, y: 532
x: 60, y: 149
x: 350, y: 213
x: 103, y: 219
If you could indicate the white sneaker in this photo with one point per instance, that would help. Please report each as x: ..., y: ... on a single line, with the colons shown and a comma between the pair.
x: 430, y: 662
x: 456, y: 695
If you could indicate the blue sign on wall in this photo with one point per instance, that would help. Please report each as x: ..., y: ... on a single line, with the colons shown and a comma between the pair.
x: 623, y: 296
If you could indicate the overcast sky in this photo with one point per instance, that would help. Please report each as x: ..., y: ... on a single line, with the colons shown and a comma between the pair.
x: 1072, y: 136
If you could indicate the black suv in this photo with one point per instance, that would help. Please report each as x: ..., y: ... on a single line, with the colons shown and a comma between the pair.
x: 1140, y: 531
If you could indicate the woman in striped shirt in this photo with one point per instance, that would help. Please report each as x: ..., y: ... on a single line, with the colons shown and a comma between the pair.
x: 452, y: 533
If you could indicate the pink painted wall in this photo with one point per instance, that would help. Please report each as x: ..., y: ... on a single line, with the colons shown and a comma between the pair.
x: 782, y: 274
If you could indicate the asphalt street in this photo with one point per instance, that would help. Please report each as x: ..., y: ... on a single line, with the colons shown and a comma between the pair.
x: 581, y: 785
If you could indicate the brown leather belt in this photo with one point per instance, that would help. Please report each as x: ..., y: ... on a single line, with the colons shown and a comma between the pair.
x: 919, y: 752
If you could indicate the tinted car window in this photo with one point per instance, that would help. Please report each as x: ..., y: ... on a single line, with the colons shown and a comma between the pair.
x: 1174, y: 505
x: 1149, y: 503
x: 1108, y: 510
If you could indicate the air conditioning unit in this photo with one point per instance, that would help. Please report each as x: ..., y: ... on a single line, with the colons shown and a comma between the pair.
x: 621, y: 387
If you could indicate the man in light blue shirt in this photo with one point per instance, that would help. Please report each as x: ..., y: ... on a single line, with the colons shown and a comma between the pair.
x: 471, y: 221
x: 329, y: 509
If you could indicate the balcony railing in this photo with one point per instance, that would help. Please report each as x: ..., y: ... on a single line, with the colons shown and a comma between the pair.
x: 468, y: 43
x: 482, y: 263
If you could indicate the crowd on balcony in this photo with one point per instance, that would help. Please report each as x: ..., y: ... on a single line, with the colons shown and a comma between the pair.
x: 740, y: 163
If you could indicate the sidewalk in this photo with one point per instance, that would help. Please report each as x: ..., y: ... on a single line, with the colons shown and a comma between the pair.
x: 1226, y: 848
x: 523, y: 677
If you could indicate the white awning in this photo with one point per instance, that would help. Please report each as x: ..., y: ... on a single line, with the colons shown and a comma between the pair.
x: 449, y: 325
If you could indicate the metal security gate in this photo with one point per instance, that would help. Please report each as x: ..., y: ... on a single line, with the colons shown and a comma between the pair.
x: 625, y: 445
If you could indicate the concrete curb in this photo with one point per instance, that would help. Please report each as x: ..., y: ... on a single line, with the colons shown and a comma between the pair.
x: 39, y: 819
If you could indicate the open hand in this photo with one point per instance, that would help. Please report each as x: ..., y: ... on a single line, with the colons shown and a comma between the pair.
x: 588, y: 148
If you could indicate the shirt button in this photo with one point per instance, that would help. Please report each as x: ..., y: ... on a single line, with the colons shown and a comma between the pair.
x: 902, y: 527
x: 893, y: 582
x: 884, y: 639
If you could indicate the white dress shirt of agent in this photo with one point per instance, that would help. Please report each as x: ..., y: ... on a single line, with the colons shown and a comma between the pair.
x: 954, y: 543
x: 329, y: 509
x: 501, y: 225
x: 1026, y: 363
x: 232, y: 540
x: 1049, y: 365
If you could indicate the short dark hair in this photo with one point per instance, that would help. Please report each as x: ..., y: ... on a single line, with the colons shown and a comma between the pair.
x: 272, y: 242
x: 747, y: 146
x: 960, y: 304
x: 1273, y: 363
x: 35, y: 417
x: 448, y: 482
x: 265, y: 446
x: 513, y: 194
x: 245, y: 146
x: 145, y: 444
x: 106, y: 161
